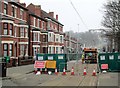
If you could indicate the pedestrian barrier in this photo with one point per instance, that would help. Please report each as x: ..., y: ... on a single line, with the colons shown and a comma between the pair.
x: 110, y: 60
x: 53, y: 61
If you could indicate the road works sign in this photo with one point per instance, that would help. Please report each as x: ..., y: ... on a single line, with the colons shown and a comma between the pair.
x: 104, y: 66
x: 39, y: 64
x: 50, y: 64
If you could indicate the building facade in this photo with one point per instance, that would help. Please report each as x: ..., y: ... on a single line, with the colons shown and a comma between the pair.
x: 54, y: 32
x: 27, y: 30
x: 37, y: 30
x: 14, y: 33
x: 70, y: 44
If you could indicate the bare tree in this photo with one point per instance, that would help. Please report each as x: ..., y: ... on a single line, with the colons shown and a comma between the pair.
x: 111, y: 20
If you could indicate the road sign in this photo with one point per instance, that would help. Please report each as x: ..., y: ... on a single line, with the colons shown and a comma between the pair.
x: 50, y: 64
x: 104, y: 66
x: 39, y: 64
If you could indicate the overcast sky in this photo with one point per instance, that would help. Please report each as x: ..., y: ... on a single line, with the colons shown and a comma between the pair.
x: 89, y: 10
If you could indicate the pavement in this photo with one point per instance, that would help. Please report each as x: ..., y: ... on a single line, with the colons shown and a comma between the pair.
x: 109, y: 79
x: 23, y: 76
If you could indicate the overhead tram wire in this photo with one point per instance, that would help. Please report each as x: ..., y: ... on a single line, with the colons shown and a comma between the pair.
x: 78, y: 14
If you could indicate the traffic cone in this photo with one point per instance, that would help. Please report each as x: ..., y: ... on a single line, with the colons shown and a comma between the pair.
x: 41, y: 70
x: 56, y: 71
x: 64, y: 73
x: 38, y: 73
x: 35, y: 70
x: 72, y: 71
x: 84, y: 73
x: 94, y: 72
x: 45, y: 70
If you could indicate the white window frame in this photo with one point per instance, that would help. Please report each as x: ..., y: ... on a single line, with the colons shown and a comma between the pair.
x: 10, y: 49
x: 26, y: 32
x: 22, y: 31
x: 5, y: 11
x: 21, y: 13
x: 15, y: 11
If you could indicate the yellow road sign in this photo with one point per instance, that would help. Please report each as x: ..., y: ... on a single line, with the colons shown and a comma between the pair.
x: 50, y: 64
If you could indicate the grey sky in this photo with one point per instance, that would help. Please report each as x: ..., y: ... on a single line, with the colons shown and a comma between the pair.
x: 89, y: 10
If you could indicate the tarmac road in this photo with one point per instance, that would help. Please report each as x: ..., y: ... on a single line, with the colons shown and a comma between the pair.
x: 23, y: 76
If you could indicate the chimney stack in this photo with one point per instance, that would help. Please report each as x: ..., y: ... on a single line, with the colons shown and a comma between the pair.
x: 56, y: 17
x: 51, y: 14
x: 23, y: 4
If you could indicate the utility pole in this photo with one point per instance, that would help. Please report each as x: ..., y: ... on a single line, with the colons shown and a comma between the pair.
x: 77, y: 43
x: 77, y: 51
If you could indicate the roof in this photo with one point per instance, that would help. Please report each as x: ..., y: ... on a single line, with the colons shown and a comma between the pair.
x: 18, y: 4
x: 31, y: 13
x: 46, y: 15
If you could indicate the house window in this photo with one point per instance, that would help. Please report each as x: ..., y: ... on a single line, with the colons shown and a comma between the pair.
x: 22, y: 49
x: 21, y: 14
x: 5, y: 27
x: 5, y: 8
x: 56, y: 39
x: 10, y: 50
x: 15, y: 30
x: 26, y: 32
x: 11, y: 29
x: 42, y: 24
x: 61, y: 39
x: 49, y: 50
x: 5, y: 48
x: 35, y: 36
x: 21, y: 32
x: 56, y: 50
x: 44, y: 38
x: 13, y: 12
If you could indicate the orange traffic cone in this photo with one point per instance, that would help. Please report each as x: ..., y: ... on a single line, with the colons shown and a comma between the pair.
x: 56, y: 71
x: 45, y: 70
x: 84, y: 73
x: 64, y: 73
x: 94, y: 72
x: 72, y: 71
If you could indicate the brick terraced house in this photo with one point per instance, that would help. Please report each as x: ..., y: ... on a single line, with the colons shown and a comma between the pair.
x: 37, y: 30
x: 27, y: 30
x: 14, y: 33
x: 54, y: 32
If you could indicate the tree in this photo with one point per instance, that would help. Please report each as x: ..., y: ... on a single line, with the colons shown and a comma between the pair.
x: 111, y: 20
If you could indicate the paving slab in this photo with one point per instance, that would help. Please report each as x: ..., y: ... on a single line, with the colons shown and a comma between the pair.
x: 108, y: 79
